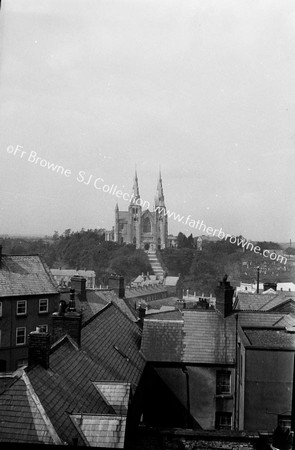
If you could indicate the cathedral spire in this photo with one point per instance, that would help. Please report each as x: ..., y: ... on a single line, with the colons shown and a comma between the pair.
x: 159, y: 199
x: 135, y: 192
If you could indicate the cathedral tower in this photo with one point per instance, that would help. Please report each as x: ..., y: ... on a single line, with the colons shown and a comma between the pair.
x: 161, y: 217
x: 134, y: 212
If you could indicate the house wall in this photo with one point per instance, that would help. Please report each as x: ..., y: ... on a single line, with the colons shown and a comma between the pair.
x: 268, y: 387
x: 202, y: 390
x: 9, y: 351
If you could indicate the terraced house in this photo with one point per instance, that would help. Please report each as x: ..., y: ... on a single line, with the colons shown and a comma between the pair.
x: 28, y: 297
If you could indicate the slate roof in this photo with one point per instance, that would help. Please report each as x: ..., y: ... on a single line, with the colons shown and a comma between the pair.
x: 208, y: 337
x: 143, y: 291
x: 263, y: 319
x: 168, y: 301
x: 113, y: 340
x: 171, y: 281
x: 25, y: 275
x: 115, y: 394
x: 262, y: 302
x: 205, y: 337
x: 72, y: 272
x: 102, y: 431
x: 165, y: 315
x: 162, y: 340
x: 78, y: 383
x: 271, y: 338
x: 199, y: 337
x: 22, y: 418
x: 110, y: 296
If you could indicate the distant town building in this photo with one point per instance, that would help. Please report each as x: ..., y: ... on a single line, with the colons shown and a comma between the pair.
x: 63, y: 276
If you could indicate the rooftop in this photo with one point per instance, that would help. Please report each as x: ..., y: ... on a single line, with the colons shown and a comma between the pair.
x: 263, y: 302
x: 85, y: 392
x: 25, y: 275
x: 270, y: 338
x: 199, y: 336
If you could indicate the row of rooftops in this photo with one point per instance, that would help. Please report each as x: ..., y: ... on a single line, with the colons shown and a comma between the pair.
x: 83, y: 393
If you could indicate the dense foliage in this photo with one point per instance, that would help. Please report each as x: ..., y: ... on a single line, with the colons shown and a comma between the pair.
x: 200, y: 270
x: 85, y: 249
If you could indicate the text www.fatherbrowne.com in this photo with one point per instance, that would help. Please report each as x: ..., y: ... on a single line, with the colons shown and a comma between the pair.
x: 219, y: 233
x: 98, y: 184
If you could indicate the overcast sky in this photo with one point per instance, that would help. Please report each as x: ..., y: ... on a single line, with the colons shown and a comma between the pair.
x: 203, y: 89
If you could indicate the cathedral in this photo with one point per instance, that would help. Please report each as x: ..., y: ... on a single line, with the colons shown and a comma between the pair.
x: 148, y: 230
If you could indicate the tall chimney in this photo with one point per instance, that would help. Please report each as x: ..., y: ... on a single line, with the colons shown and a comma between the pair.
x: 67, y: 321
x: 257, y: 290
x: 39, y: 348
x: 224, y: 297
x: 78, y: 283
x: 116, y: 283
x: 0, y: 256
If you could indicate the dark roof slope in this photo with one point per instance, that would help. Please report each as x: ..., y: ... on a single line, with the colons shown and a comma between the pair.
x: 67, y: 388
x: 25, y: 275
x: 66, y: 391
x: 262, y: 302
x: 113, y: 341
x: 20, y: 417
x: 271, y: 338
x: 261, y: 319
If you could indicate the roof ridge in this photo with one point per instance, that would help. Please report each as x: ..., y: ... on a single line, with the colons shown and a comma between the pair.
x: 48, y: 272
x: 87, y: 322
x: 61, y: 341
x: 50, y: 428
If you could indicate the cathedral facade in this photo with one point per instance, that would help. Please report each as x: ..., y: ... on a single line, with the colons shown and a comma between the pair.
x: 148, y: 230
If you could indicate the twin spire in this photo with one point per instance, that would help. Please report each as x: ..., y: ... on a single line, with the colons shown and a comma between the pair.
x: 159, y: 198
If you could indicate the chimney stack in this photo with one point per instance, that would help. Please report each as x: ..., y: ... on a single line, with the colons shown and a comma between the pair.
x: 224, y: 297
x: 116, y: 283
x: 78, y: 283
x: 142, y: 307
x: 67, y: 321
x: 270, y: 285
x: 39, y: 348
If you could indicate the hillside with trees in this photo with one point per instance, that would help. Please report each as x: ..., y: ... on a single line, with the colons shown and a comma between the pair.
x: 85, y: 249
x: 200, y: 269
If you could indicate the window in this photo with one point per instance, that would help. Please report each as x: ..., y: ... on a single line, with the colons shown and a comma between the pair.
x: 21, y: 307
x: 20, y: 336
x: 147, y: 227
x: 222, y: 382
x: 43, y: 305
x: 223, y: 420
x: 43, y: 328
x: 0, y: 309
